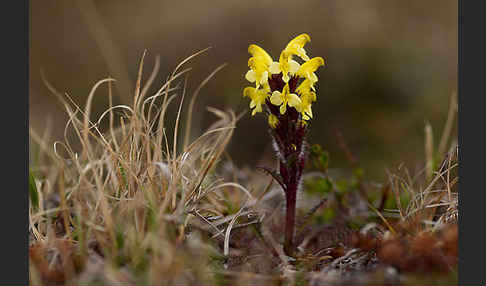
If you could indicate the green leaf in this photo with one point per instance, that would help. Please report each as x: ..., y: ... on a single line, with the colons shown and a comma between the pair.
x: 404, y: 199
x: 123, y: 175
x: 358, y: 172
x: 151, y: 217
x: 324, y: 160
x: 390, y: 202
x: 120, y: 239
x: 328, y: 214
x: 355, y: 225
x: 342, y: 186
x: 319, y: 186
x: 357, y: 177
x: 33, y: 193
x: 321, y: 157
x: 316, y: 150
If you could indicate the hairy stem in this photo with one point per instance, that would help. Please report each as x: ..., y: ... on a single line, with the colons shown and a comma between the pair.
x: 289, y: 138
x: 291, y: 196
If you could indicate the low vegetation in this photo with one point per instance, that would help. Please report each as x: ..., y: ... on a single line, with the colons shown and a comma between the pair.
x: 145, y: 202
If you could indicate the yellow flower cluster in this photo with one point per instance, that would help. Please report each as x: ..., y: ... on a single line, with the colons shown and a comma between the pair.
x: 262, y: 67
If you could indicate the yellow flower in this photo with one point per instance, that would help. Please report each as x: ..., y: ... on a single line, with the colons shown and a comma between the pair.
x: 305, y: 87
x: 305, y: 107
x: 272, y: 121
x: 262, y: 67
x: 259, y: 64
x: 257, y: 96
x: 307, y: 97
x: 296, y: 46
x: 286, y: 65
x: 307, y: 69
x: 283, y: 98
x: 258, y: 52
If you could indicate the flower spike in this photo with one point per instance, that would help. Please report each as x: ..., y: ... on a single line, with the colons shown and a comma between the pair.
x: 276, y: 87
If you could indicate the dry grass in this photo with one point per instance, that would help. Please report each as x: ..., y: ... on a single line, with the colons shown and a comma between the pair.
x: 135, y: 205
x: 130, y: 198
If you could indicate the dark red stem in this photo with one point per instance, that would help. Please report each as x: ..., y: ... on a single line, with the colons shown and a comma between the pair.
x: 291, y: 198
x: 289, y: 136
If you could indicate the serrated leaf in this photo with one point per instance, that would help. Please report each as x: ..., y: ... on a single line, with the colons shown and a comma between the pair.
x: 33, y: 193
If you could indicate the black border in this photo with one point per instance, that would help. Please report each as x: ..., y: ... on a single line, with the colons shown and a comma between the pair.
x: 15, y: 118
x: 471, y: 76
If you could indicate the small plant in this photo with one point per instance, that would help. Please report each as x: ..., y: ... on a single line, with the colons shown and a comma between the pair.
x: 289, y: 108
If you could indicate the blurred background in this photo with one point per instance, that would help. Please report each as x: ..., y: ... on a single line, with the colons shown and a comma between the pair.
x: 391, y: 66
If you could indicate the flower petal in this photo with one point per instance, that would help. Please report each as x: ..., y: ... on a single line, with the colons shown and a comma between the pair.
x: 258, y: 108
x: 313, y: 96
x: 309, y: 111
x: 286, y: 90
x: 260, y: 53
x: 310, y: 66
x: 304, y: 87
x: 312, y: 77
x: 249, y: 92
x: 250, y: 76
x: 263, y: 78
x: 272, y: 120
x: 285, y: 77
x: 299, y: 41
x: 274, y: 68
x: 276, y: 98
x: 301, y: 53
x: 296, y: 46
x: 294, y: 100
x: 293, y: 67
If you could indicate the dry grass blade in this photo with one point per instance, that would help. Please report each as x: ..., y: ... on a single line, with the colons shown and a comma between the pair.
x: 449, y: 123
x: 392, y: 230
x: 191, y: 105
x: 429, y: 150
x: 228, y: 230
x: 115, y: 201
x: 107, y: 46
